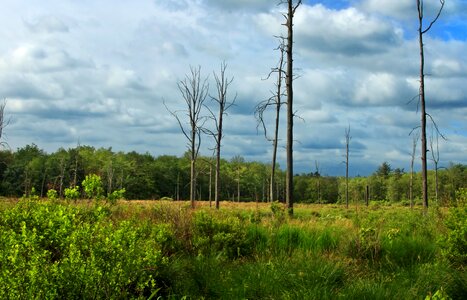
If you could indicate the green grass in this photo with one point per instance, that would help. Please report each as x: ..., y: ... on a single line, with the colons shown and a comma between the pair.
x: 166, y: 250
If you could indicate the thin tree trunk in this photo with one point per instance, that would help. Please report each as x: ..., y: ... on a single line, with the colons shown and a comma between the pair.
x: 290, y: 113
x: 422, y: 31
x: 210, y: 185
x: 414, y: 149
x: 423, y: 118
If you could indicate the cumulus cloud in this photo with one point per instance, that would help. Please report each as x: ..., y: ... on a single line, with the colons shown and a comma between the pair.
x: 104, y: 76
x: 47, y: 24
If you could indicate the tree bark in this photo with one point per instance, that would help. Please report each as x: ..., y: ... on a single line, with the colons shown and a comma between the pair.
x: 422, y: 31
x: 290, y: 114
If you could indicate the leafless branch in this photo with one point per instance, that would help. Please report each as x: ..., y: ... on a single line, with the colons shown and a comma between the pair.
x: 436, y: 18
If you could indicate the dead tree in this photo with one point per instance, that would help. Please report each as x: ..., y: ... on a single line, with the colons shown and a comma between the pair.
x: 222, y: 85
x: 347, y: 145
x: 291, y: 8
x: 276, y: 101
x: 435, y: 156
x: 3, y: 123
x: 194, y: 91
x: 414, y: 149
x: 318, y: 184
x: 421, y: 32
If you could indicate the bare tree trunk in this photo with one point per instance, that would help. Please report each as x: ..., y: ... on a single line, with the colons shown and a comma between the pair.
x: 290, y: 114
x: 238, y: 185
x: 347, y: 144
x: 3, y: 122
x: 210, y: 185
x: 194, y: 91
x: 62, y: 174
x: 414, y: 148
x: 435, y: 156
x: 318, y: 175
x: 222, y: 85
x: 75, y: 170
x: 276, y: 101
x: 421, y: 32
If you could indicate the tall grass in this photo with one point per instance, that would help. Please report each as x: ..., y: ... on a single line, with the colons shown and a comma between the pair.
x: 167, y: 249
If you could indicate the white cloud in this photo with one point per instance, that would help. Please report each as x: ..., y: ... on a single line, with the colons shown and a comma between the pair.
x: 47, y: 24
x: 102, y: 74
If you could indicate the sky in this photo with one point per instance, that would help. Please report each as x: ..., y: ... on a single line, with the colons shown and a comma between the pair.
x: 98, y: 72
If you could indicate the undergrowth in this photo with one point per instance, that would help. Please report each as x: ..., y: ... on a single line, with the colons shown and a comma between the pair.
x: 168, y: 251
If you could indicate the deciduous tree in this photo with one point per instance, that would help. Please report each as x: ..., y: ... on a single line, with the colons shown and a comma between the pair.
x: 421, y: 31
x: 221, y: 99
x: 194, y: 91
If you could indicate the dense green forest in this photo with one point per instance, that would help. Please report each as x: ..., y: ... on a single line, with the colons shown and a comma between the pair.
x: 144, y: 176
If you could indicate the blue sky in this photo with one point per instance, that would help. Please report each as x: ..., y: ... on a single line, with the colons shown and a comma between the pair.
x: 99, y: 72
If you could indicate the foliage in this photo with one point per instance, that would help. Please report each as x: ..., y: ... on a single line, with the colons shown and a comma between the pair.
x: 52, y: 195
x: 164, y: 249
x: 222, y: 236
x: 50, y: 251
x: 116, y: 195
x: 92, y: 186
x: 454, y: 242
x: 144, y: 176
x: 72, y: 193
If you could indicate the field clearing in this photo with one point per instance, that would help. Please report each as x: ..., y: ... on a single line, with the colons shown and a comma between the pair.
x: 143, y: 249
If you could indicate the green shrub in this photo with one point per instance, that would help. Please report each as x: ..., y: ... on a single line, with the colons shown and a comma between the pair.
x: 52, y: 195
x: 454, y: 243
x: 116, y: 195
x: 226, y: 236
x: 72, y: 193
x: 51, y: 251
x: 92, y: 186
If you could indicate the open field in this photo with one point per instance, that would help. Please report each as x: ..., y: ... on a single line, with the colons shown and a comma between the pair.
x: 151, y: 249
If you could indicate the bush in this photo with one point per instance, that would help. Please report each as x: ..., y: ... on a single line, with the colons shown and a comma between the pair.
x: 454, y: 243
x: 52, y: 251
x: 72, y: 193
x: 52, y: 195
x: 116, y: 195
x: 225, y: 237
x: 92, y: 186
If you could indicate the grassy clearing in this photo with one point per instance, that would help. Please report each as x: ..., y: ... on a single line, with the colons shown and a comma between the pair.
x: 143, y: 249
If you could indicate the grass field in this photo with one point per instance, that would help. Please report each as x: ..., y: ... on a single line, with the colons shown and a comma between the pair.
x: 165, y: 250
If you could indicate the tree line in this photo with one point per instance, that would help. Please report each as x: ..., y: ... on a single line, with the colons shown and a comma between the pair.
x: 145, y: 176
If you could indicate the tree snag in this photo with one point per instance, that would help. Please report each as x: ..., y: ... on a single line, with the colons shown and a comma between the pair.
x: 194, y: 91
x: 421, y: 32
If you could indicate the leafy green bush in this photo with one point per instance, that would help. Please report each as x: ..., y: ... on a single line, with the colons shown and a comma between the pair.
x: 52, y: 195
x: 116, y: 195
x: 31, y: 196
x: 92, y: 186
x: 72, y: 193
x: 215, y: 236
x: 454, y: 243
x: 51, y: 251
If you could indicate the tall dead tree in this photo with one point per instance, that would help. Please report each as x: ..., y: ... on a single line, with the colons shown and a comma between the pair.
x: 194, y: 91
x: 421, y: 32
x: 434, y: 149
x: 347, y: 145
x: 414, y: 149
x: 276, y: 101
x: 291, y: 8
x: 3, y: 122
x: 222, y: 85
x: 318, y: 183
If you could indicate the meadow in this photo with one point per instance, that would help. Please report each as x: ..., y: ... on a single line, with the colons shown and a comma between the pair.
x: 165, y: 250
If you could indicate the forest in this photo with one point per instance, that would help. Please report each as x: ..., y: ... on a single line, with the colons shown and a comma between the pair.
x: 145, y: 177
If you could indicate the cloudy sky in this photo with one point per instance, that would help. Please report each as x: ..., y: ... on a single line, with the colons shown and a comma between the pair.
x: 98, y: 72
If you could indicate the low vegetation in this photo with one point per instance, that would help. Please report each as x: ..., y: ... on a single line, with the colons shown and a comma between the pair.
x: 163, y: 249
